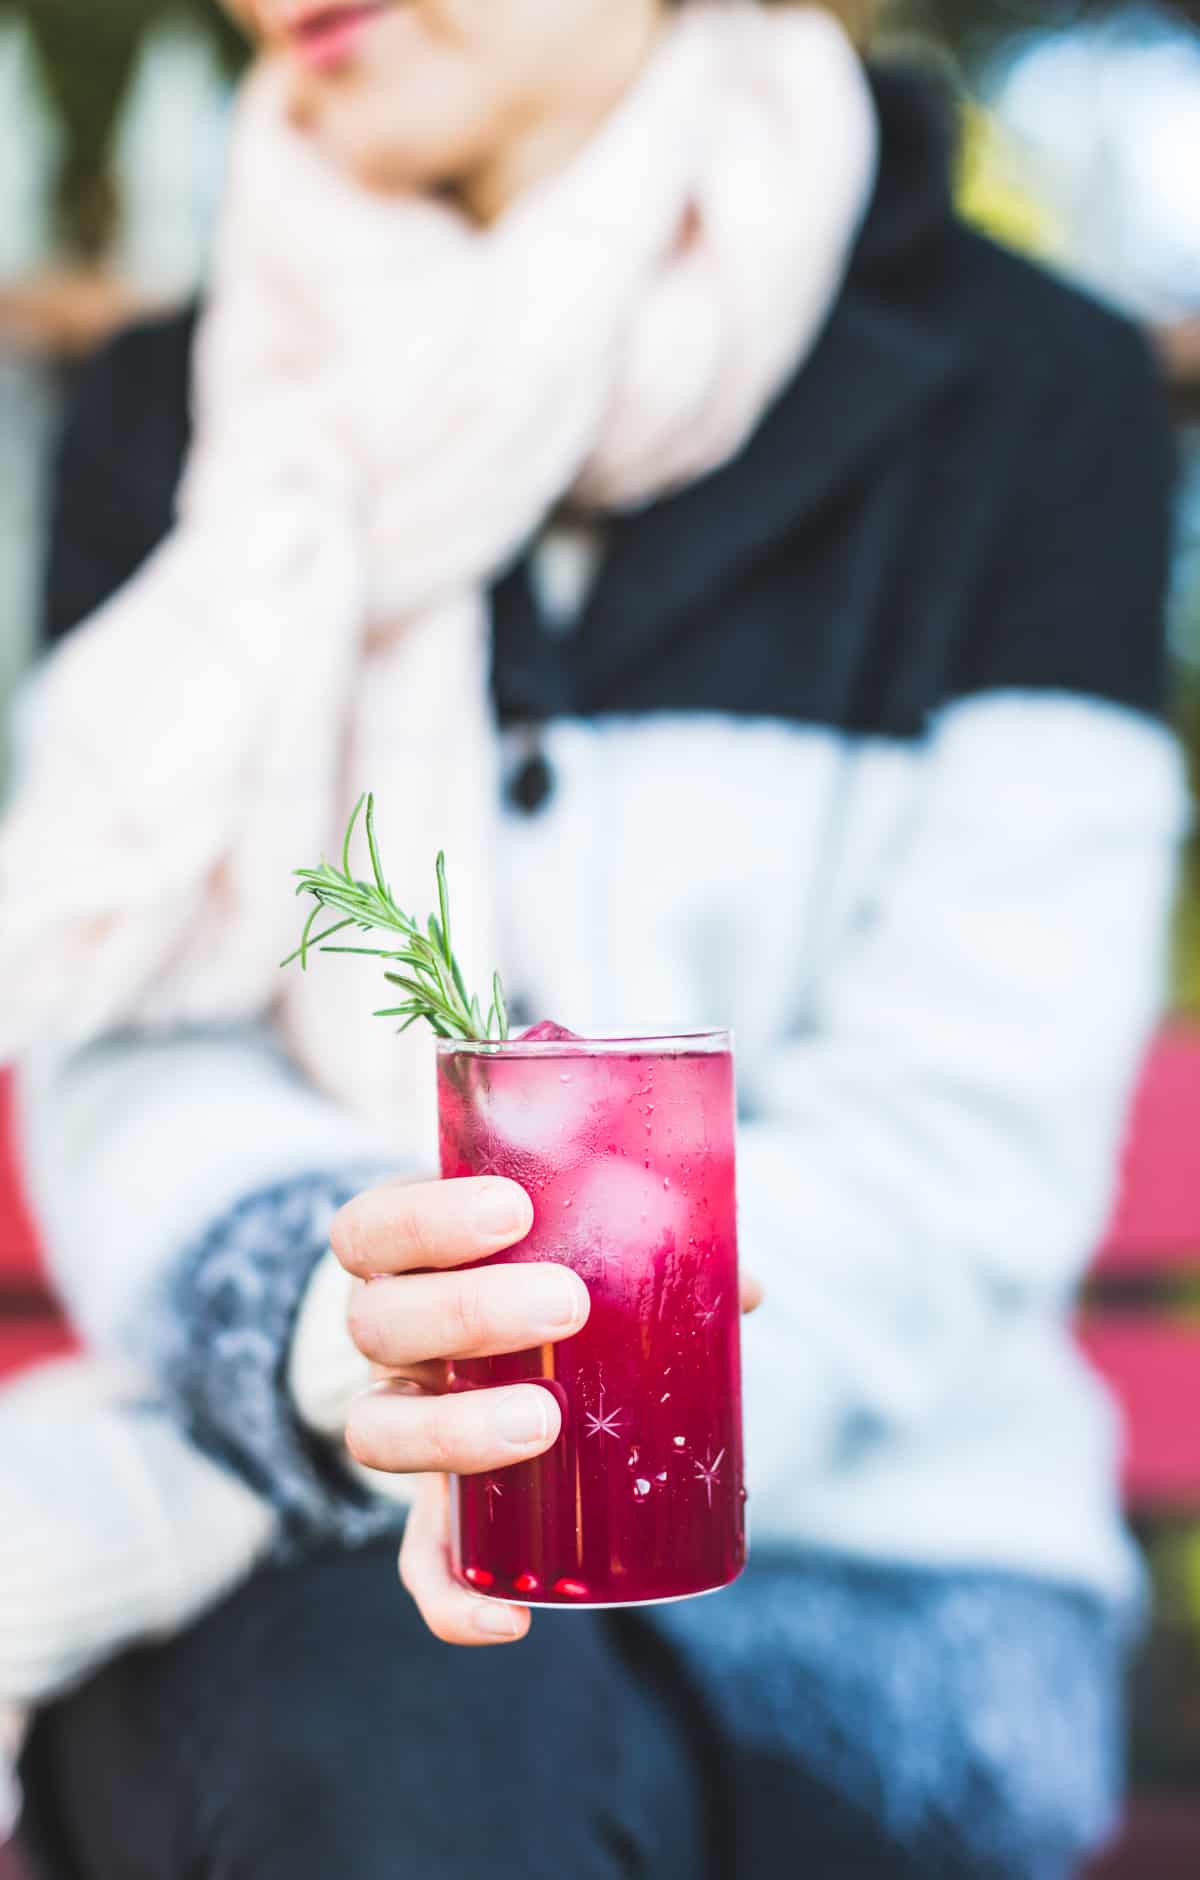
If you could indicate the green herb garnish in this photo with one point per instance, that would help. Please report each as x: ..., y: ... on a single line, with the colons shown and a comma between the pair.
x: 433, y: 983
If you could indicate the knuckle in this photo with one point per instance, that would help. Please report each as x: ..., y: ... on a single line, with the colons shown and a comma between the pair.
x: 345, y: 1237
x: 443, y: 1438
x: 469, y: 1312
x: 414, y: 1230
x: 363, y: 1323
x: 357, y: 1439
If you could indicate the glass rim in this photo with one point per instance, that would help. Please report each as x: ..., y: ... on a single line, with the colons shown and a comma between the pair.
x: 662, y: 1044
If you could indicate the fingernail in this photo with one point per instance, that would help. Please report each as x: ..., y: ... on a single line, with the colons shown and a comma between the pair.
x: 497, y: 1209
x: 554, y: 1295
x: 523, y: 1416
x: 496, y: 1621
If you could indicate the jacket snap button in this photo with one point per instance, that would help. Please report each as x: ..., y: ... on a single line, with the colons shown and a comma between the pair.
x: 532, y: 786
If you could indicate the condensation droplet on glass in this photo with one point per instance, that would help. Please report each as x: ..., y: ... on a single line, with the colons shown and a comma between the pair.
x: 680, y: 1442
x: 666, y: 1181
x: 666, y: 1397
x: 633, y: 1457
x: 641, y: 1488
x: 662, y: 1477
x: 564, y: 1077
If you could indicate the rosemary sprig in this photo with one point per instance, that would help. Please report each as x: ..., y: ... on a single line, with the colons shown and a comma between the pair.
x: 432, y: 981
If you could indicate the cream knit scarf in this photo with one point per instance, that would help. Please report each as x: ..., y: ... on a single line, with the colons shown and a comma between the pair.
x: 389, y: 402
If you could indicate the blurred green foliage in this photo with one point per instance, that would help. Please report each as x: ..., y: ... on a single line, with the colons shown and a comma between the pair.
x: 87, y: 52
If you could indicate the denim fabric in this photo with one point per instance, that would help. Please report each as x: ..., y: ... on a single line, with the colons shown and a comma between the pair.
x: 973, y: 1718
x: 818, y: 1720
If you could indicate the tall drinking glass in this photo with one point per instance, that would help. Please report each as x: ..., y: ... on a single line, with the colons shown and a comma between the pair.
x: 626, y: 1149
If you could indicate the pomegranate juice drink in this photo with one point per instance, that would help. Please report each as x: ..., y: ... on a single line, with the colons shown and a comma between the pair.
x: 626, y: 1149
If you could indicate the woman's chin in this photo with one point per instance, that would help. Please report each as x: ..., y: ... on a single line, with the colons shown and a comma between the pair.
x: 358, y: 131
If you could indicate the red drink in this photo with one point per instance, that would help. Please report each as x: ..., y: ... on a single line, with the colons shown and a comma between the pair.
x: 626, y: 1148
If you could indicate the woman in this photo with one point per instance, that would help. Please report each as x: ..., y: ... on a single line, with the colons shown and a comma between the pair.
x: 816, y: 551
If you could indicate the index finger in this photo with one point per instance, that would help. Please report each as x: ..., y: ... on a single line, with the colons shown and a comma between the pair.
x: 409, y: 1226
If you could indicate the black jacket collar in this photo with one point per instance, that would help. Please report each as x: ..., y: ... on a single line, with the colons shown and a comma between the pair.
x: 883, y: 356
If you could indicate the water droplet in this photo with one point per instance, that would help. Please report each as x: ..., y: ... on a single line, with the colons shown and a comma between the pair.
x: 641, y: 1488
x: 666, y: 1181
x: 662, y: 1477
x: 564, y: 1077
x: 478, y: 1576
x: 743, y: 1495
x: 680, y: 1442
x: 570, y: 1589
x: 527, y: 1584
x: 570, y: 1202
x: 666, y: 1397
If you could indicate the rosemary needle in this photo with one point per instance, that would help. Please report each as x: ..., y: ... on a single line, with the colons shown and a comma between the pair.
x: 423, y: 965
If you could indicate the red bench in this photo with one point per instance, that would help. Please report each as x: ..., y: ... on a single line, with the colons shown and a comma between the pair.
x: 1149, y: 1353
x: 1141, y: 1328
x: 31, y: 1327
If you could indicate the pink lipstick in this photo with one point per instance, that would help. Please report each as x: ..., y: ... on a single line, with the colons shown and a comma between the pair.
x: 326, y: 36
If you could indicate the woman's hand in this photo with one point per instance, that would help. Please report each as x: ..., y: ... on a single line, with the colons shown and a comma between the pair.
x: 409, y: 1240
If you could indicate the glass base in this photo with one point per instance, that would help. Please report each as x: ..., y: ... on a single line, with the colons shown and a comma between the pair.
x: 609, y: 1605
x: 599, y: 1605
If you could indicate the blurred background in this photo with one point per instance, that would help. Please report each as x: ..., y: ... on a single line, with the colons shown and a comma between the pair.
x: 1081, y: 144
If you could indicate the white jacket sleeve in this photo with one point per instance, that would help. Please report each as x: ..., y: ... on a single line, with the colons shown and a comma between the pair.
x: 941, y: 1148
x: 117, y: 1526
x: 184, y: 1187
x: 134, y: 1145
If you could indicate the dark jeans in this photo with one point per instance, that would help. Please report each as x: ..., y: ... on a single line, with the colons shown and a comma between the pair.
x: 312, y: 1729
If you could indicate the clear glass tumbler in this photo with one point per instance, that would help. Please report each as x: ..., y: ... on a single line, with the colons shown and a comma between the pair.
x: 626, y: 1148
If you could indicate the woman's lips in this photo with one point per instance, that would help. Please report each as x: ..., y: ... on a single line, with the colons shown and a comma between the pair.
x: 327, y: 36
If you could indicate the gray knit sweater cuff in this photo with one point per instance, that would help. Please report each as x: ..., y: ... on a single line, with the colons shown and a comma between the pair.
x: 218, y: 1342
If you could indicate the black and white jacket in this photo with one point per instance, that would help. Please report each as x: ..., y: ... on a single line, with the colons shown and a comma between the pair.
x: 855, y: 745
